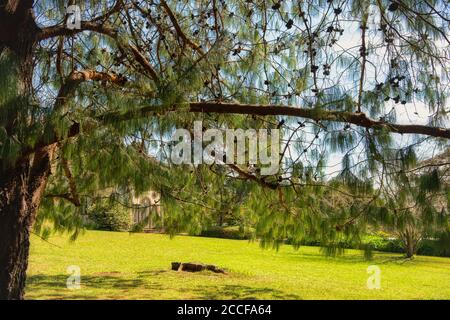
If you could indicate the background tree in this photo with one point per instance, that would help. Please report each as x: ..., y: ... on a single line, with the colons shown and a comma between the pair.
x: 418, y: 200
x: 91, y: 108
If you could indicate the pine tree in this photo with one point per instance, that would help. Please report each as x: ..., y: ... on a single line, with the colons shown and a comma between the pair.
x: 417, y: 197
x: 83, y: 109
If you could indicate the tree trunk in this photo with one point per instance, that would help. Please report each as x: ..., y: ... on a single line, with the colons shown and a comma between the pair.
x: 21, y: 191
x: 409, y: 250
x: 410, y: 243
x: 220, y: 220
x: 15, y: 223
x: 22, y: 183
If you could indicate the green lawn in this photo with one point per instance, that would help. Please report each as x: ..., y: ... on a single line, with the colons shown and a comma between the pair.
x: 137, y: 266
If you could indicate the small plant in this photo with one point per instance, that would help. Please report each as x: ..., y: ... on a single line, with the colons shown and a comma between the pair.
x: 110, y: 216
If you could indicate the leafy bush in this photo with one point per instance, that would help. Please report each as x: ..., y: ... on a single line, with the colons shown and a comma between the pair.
x: 384, y: 244
x: 232, y: 232
x: 427, y: 247
x: 433, y: 248
x: 110, y: 217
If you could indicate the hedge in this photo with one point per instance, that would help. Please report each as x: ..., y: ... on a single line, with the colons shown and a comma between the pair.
x: 428, y: 247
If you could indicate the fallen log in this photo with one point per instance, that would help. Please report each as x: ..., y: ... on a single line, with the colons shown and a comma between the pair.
x: 195, y: 267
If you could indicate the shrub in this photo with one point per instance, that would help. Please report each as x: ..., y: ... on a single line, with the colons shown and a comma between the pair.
x: 110, y: 217
x: 428, y: 247
x: 232, y: 232
x: 433, y: 248
x: 384, y: 244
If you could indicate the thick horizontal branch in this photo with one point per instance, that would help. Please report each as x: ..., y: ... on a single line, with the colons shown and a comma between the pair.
x: 357, y: 118
x: 97, y: 24
x: 62, y: 30
x: 65, y: 196
x: 92, y: 75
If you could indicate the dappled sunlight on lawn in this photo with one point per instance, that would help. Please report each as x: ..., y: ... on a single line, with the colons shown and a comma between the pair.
x: 137, y: 266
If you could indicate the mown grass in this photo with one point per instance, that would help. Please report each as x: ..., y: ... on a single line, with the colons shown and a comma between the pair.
x: 137, y: 266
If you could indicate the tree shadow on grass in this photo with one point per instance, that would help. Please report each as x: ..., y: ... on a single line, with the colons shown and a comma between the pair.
x: 228, y: 291
x: 322, y: 256
x: 42, y: 286
x: 396, y: 260
x: 152, y: 273
x: 55, y: 286
x: 100, y: 281
x: 239, y: 292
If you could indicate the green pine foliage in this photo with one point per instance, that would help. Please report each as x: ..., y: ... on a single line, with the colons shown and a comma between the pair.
x: 300, y: 53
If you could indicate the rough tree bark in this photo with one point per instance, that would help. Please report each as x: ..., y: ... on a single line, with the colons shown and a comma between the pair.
x: 410, y: 240
x: 20, y: 194
x: 410, y: 237
x: 410, y: 251
x: 22, y: 183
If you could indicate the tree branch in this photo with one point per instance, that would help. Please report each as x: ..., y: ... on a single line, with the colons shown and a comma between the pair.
x: 65, y: 196
x: 357, y: 118
x: 65, y: 92
x: 178, y: 29
x: 72, y: 185
x: 249, y: 176
x: 98, y: 25
x: 77, y: 77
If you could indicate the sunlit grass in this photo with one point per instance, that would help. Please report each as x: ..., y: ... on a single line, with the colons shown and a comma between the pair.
x: 137, y: 266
